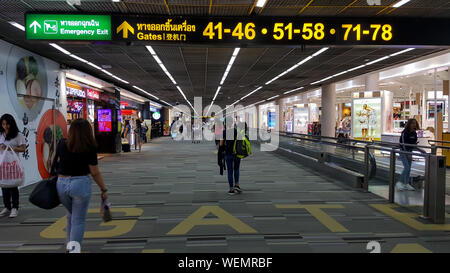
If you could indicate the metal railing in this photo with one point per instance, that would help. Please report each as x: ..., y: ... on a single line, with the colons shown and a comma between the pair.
x: 434, y: 168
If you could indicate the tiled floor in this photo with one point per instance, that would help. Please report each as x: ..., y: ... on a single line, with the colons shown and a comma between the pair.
x: 171, y: 198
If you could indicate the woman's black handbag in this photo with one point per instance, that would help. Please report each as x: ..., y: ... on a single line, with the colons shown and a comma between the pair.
x: 45, y: 194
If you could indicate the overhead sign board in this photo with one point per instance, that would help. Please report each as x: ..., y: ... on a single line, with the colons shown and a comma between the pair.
x: 68, y: 27
x: 252, y: 31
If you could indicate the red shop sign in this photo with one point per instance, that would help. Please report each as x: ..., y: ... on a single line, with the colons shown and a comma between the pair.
x: 126, y: 112
x: 124, y: 103
x: 92, y: 94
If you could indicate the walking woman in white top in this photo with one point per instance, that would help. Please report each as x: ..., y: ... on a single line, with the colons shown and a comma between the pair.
x: 10, y: 136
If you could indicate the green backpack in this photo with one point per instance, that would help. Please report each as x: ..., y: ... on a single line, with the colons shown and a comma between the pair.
x: 242, y: 148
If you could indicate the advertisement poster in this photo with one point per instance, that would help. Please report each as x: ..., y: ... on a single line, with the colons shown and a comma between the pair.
x: 29, y: 85
x: 367, y: 119
x: 289, y: 126
x: 272, y: 120
x: 301, y: 119
x: 431, y: 108
x: 104, y: 120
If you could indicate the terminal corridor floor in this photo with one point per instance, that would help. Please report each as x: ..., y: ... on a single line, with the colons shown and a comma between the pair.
x: 171, y: 198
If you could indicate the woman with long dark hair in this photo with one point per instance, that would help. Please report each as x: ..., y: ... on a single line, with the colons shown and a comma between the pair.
x: 10, y: 136
x: 408, y: 136
x: 76, y: 158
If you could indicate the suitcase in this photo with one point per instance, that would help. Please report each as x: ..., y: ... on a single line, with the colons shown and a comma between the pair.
x: 126, y: 148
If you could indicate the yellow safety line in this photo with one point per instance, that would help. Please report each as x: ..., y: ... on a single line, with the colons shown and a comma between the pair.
x: 347, y: 6
x: 210, y: 7
x: 410, y: 248
x: 307, y: 5
x: 153, y: 251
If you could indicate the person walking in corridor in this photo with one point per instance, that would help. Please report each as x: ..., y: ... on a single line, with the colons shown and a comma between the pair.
x: 232, y: 161
x: 75, y: 159
x: 10, y: 136
x: 408, y: 136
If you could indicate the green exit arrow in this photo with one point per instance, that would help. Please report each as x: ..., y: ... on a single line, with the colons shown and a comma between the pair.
x: 125, y: 27
x: 35, y: 24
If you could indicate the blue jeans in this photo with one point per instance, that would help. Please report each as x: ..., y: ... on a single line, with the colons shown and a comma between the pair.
x: 75, y: 193
x: 407, y: 162
x: 233, y: 163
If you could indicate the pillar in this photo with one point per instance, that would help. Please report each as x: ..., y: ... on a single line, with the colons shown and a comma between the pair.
x: 281, y: 124
x: 328, y: 118
x: 146, y: 112
x: 371, y: 82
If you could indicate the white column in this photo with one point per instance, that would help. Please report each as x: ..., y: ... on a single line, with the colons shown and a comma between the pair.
x: 328, y: 118
x: 371, y: 82
x: 281, y: 125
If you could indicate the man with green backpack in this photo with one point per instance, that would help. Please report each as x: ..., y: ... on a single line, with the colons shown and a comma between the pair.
x: 236, y: 147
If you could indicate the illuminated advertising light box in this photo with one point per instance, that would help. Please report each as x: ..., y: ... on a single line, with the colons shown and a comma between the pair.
x: 156, y: 115
x: 367, y: 119
x: 92, y: 94
x: 271, y: 120
x: 301, y: 120
x: 104, y: 120
x: 431, y: 108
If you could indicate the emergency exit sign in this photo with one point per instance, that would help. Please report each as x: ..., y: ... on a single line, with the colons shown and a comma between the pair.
x: 68, y: 27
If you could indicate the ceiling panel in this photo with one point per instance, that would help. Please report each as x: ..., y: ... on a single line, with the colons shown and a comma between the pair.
x: 198, y: 70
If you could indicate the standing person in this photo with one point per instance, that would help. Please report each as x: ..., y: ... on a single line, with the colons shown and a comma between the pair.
x: 126, y: 134
x: 138, y: 134
x: 10, y: 135
x: 408, y: 136
x: 75, y: 159
x: 133, y: 128
x: 233, y: 162
x: 218, y: 130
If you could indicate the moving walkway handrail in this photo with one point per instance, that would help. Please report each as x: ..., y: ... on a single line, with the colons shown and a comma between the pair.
x: 366, y: 142
x: 434, y: 176
x: 327, y: 142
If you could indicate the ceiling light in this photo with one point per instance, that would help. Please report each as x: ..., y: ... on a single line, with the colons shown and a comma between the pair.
x: 106, y: 72
x: 140, y: 89
x: 149, y: 48
x: 83, y: 80
x: 290, y: 91
x: 166, y: 103
x: 114, y: 76
x: 403, y: 51
x: 217, y: 92
x: 378, y: 60
x: 298, y: 64
x: 320, y: 51
x: 261, y: 3
x: 60, y: 48
x: 251, y: 92
x: 116, y: 1
x: 273, y: 97
x: 355, y: 68
x: 95, y: 66
x: 17, y: 25
x: 78, y: 58
x: 401, y: 3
